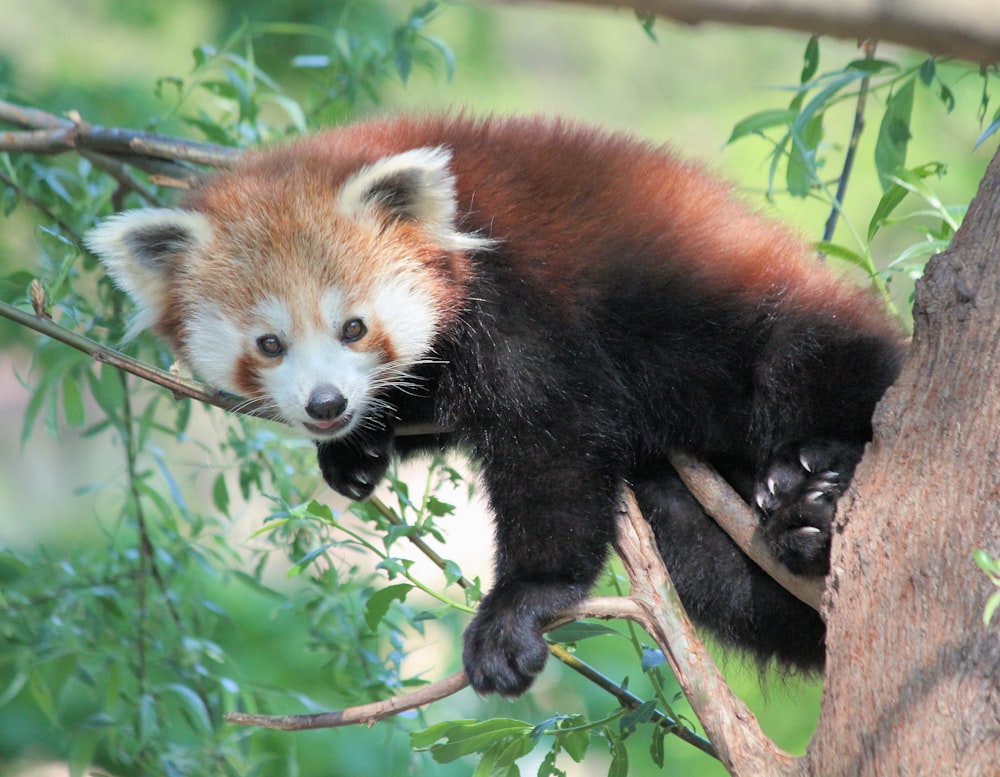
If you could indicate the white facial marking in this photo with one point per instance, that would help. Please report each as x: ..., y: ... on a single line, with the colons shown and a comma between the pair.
x: 214, y: 345
x: 408, y: 314
x: 314, y: 356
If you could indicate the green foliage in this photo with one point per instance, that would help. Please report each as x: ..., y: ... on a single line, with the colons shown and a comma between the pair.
x: 991, y: 567
x: 801, y: 150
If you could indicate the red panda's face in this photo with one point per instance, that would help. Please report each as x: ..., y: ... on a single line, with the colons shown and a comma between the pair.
x: 309, y: 300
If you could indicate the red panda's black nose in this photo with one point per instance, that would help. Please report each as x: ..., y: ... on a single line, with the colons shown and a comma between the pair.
x: 326, y: 403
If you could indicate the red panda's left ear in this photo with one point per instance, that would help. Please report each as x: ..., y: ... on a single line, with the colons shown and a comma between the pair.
x: 140, y: 248
x: 416, y: 186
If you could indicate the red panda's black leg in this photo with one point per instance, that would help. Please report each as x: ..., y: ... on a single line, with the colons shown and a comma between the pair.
x: 796, y: 498
x: 550, y: 548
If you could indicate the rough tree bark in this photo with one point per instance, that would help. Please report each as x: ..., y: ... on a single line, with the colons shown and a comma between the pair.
x: 913, y: 675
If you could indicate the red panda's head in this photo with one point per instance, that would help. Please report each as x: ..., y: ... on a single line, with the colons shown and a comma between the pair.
x: 307, y: 290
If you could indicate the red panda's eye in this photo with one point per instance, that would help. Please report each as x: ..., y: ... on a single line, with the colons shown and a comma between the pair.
x: 354, y: 330
x: 270, y: 345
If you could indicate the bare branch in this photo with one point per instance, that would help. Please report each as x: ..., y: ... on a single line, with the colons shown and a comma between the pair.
x: 368, y: 714
x: 736, y: 518
x: 730, y: 725
x: 967, y: 29
x: 171, y: 158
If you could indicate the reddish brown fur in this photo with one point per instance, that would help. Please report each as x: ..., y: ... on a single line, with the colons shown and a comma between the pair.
x: 520, y: 181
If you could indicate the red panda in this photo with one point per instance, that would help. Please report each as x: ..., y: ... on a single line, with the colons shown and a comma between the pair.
x: 568, y: 305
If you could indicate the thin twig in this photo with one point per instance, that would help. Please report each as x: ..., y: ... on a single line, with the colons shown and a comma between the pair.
x: 368, y: 714
x: 852, y: 147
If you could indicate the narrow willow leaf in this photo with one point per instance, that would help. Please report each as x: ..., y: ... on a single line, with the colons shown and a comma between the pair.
x: 466, y: 737
x: 894, y: 134
x: 73, y: 409
x: 220, y: 494
x: 894, y: 195
x: 762, y: 120
x: 802, y: 172
x: 581, y: 630
x: 810, y: 60
x: 196, y: 708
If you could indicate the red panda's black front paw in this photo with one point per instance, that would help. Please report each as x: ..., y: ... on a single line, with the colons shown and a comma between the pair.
x: 353, y: 469
x: 504, y: 648
x: 796, y: 499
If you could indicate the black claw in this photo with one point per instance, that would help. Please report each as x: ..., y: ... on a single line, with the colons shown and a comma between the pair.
x: 796, y: 500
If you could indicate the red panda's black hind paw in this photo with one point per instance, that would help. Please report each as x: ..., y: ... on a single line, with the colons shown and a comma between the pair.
x: 353, y: 469
x: 796, y: 499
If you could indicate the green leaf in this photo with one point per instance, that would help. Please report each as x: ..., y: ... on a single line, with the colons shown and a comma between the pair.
x: 303, y: 563
x: 438, y: 508
x: 41, y: 694
x: 871, y: 66
x: 197, y: 711
x: 810, y: 60
x: 148, y: 721
x: 656, y: 750
x: 802, y: 173
x: 220, y: 494
x: 574, y: 742
x: 548, y: 768
x: 991, y: 607
x: 762, y: 120
x: 641, y: 714
x: 619, y: 755
x: 894, y: 134
x: 14, y: 688
x: 581, y: 630
x: 107, y: 390
x: 464, y: 737
x: 843, y: 253
x: 988, y: 132
x: 73, y: 408
x: 378, y: 603
x: 927, y: 70
x: 81, y: 752
x: 894, y: 195
x: 946, y: 96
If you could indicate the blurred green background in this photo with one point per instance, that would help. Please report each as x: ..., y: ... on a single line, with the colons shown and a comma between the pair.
x: 688, y: 87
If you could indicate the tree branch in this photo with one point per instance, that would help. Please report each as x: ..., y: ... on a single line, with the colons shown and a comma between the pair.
x: 736, y: 518
x: 969, y: 30
x: 172, y: 159
x: 730, y: 725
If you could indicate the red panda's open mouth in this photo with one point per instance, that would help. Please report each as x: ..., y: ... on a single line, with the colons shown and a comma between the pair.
x: 327, y: 428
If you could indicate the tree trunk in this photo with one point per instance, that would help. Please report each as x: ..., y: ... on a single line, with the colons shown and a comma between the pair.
x: 913, y: 675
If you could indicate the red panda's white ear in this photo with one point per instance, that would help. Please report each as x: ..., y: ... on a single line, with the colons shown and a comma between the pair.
x: 417, y: 186
x: 139, y: 249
